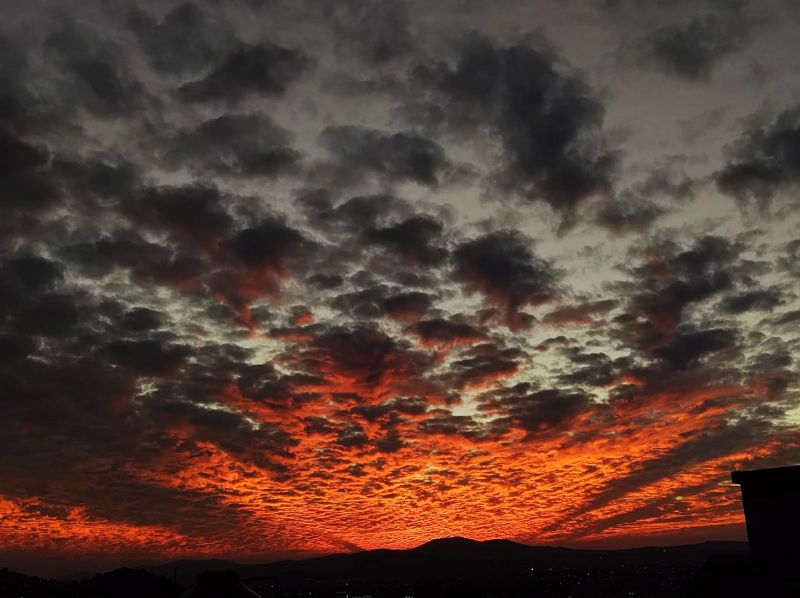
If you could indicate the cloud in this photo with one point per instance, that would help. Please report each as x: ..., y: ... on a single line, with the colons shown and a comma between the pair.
x: 677, y: 277
x: 692, y: 51
x: 237, y: 145
x: 502, y: 267
x: 446, y: 424
x: 362, y: 360
x: 762, y: 299
x: 142, y: 319
x: 269, y: 244
x: 547, y: 120
x: 763, y: 161
x: 252, y: 69
x: 579, y: 314
x: 194, y: 213
x: 407, y: 306
x: 147, y: 357
x: 638, y: 207
x: 445, y: 332
x: 414, y: 240
x: 483, y: 364
x: 50, y: 314
x: 249, y: 258
x: 394, y: 157
x: 95, y: 73
x: 537, y: 412
x: 687, y: 348
x: 376, y: 31
x: 630, y: 215
x: 182, y: 41
x: 353, y: 216
x: 26, y: 193
x: 19, y: 157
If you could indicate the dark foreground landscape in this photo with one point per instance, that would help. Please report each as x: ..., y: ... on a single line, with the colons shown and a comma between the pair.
x: 447, y: 567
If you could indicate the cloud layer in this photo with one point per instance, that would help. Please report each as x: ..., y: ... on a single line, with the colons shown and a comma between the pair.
x: 279, y: 281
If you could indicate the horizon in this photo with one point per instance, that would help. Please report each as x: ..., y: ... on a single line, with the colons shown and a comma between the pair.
x: 281, y: 277
x: 64, y: 571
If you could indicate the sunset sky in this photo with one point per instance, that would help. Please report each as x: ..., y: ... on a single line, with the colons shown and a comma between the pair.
x: 285, y: 277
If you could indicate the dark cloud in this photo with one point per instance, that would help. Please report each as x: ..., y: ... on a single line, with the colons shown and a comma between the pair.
x: 364, y: 303
x: 147, y: 357
x: 587, y: 368
x: 584, y: 313
x: 270, y: 244
x: 23, y: 279
x: 631, y: 215
x: 352, y: 436
x: 692, y: 51
x: 142, y: 319
x: 391, y: 442
x: 408, y: 306
x: 353, y: 216
x: 414, y: 240
x: 678, y: 277
x: 229, y: 430
x: 364, y: 354
x: 325, y: 281
x: 19, y: 108
x: 147, y: 262
x: 26, y: 190
x: 96, y: 74
x: 235, y: 144
x: 764, y: 160
x: 400, y: 405
x: 193, y: 212
x: 14, y: 348
x: 547, y: 120
x: 395, y: 157
x: 687, y: 348
x: 100, y: 176
x: 763, y: 299
x: 502, y: 266
x: 789, y: 317
x: 440, y: 331
x: 264, y: 69
x: 182, y: 41
x: 637, y: 207
x: 444, y: 423
x: 380, y: 300
x: 18, y: 156
x: 482, y: 364
x: 536, y: 412
x: 376, y: 31
x: 51, y: 314
x: 789, y: 259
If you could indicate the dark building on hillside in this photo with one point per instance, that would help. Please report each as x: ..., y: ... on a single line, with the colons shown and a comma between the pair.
x: 220, y: 584
x: 771, y: 499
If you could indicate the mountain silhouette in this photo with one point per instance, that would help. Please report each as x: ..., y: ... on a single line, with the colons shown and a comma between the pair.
x: 454, y: 557
x: 447, y: 566
x: 120, y: 583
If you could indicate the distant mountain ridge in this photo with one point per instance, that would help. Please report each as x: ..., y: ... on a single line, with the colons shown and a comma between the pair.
x: 452, y: 557
x: 466, y: 567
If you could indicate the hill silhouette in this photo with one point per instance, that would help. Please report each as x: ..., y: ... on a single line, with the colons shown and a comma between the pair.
x: 448, y: 566
x: 120, y: 583
x: 454, y: 557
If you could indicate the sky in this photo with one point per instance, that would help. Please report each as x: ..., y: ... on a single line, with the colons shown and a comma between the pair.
x: 282, y: 277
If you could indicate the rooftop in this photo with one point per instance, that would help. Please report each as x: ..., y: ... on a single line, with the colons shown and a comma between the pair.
x: 774, y: 475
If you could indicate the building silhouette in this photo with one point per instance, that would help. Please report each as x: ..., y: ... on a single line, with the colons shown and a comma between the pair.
x: 771, y: 500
